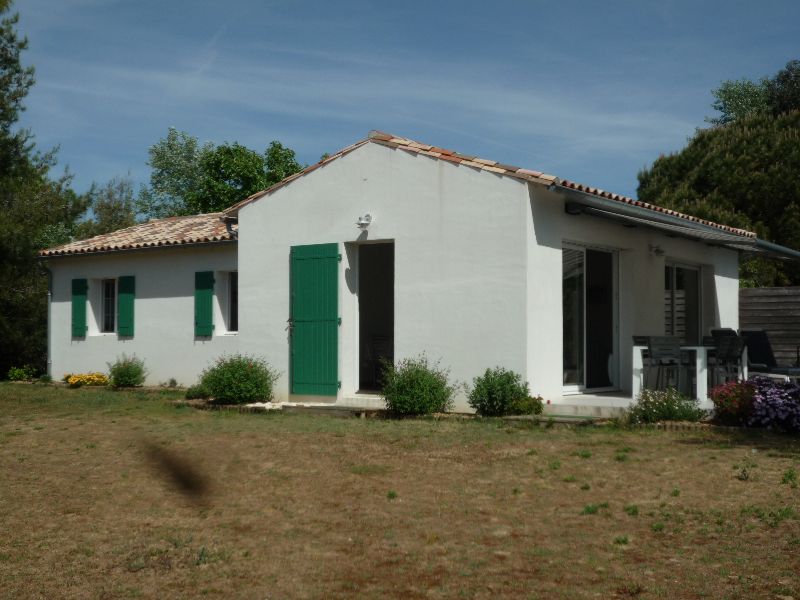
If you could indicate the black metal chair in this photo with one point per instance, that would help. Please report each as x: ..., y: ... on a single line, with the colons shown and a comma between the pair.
x: 728, y: 356
x: 665, y: 355
x: 761, y: 359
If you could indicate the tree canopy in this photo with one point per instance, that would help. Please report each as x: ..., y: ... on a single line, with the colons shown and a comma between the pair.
x: 744, y: 172
x: 189, y: 178
x: 769, y: 95
x: 35, y: 210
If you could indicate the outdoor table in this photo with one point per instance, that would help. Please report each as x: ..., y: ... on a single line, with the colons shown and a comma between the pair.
x: 701, y: 370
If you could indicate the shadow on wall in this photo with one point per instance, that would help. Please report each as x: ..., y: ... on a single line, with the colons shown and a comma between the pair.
x: 546, y: 210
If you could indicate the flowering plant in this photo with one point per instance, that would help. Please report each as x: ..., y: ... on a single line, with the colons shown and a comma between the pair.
x: 733, y: 402
x: 79, y: 379
x: 776, y: 404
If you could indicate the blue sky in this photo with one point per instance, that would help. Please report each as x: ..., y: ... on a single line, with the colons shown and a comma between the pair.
x: 588, y: 91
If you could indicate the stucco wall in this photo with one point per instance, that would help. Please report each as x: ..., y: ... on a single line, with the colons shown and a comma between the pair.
x: 459, y: 259
x: 478, y: 276
x: 640, y: 284
x: 164, y: 313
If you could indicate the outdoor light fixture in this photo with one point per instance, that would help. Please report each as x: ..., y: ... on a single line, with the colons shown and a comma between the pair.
x: 363, y: 222
x: 656, y: 250
x: 573, y: 208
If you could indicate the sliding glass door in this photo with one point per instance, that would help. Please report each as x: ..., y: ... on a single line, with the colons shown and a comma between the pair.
x: 589, y: 319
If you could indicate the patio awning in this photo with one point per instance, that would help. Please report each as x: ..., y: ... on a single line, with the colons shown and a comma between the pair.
x: 633, y: 216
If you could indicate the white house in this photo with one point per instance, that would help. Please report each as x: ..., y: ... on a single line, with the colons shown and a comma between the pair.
x: 390, y: 248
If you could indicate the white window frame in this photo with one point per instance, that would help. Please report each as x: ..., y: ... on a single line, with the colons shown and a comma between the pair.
x: 96, y: 310
x: 222, y: 302
x: 580, y: 388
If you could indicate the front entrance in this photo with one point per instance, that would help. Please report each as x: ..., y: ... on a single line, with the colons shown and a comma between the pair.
x: 314, y: 319
x: 375, y: 312
x: 589, y: 319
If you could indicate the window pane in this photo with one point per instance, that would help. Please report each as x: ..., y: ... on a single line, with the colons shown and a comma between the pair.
x: 233, y: 317
x: 572, y: 307
x: 109, y: 305
x: 668, y: 320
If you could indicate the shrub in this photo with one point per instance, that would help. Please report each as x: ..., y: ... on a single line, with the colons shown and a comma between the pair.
x: 239, y: 378
x: 127, y: 371
x: 733, y: 402
x: 530, y: 405
x: 776, y: 404
x: 80, y: 379
x: 24, y: 373
x: 197, y: 392
x: 664, y: 405
x: 502, y: 392
x: 46, y: 378
x: 415, y: 387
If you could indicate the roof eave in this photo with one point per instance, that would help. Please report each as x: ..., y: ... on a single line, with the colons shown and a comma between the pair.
x: 162, y: 246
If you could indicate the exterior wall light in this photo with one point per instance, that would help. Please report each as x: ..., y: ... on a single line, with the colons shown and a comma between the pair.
x: 656, y: 250
x: 363, y: 222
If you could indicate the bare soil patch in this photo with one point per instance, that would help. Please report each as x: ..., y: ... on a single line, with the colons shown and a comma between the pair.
x: 117, y: 494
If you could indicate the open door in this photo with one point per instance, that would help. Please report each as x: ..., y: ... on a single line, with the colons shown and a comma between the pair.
x: 375, y: 313
x: 314, y: 320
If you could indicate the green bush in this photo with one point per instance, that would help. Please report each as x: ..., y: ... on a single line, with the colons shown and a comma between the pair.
x: 664, y: 405
x: 413, y: 386
x: 530, y: 405
x: 238, y: 379
x: 24, y: 373
x: 127, y: 371
x: 501, y: 392
x: 197, y: 392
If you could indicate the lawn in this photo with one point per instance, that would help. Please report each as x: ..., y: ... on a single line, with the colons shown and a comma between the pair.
x: 112, y: 495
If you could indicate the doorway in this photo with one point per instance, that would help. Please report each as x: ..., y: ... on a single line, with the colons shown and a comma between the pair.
x: 589, y: 319
x: 375, y: 312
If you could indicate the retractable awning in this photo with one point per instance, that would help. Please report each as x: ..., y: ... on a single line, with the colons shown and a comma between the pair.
x: 634, y: 216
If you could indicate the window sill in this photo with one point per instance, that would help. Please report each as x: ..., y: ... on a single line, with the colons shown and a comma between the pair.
x: 228, y: 334
x: 104, y: 334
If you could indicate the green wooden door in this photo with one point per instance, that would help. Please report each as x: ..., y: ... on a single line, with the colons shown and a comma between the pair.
x: 315, y: 319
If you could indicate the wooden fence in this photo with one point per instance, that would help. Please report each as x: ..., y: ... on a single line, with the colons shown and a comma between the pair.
x: 776, y: 311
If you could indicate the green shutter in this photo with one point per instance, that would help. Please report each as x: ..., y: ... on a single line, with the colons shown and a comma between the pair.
x: 80, y: 288
x: 204, y: 303
x: 126, y: 292
x: 315, y: 319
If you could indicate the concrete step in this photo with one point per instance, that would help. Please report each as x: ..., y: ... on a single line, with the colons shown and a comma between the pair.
x: 583, y: 410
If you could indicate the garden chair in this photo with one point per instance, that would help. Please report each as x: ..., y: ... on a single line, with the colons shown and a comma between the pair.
x: 727, y: 354
x: 761, y: 359
x: 665, y: 354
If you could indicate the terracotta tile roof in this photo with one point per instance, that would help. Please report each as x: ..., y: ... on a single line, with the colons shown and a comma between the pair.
x: 172, y: 231
x: 392, y: 141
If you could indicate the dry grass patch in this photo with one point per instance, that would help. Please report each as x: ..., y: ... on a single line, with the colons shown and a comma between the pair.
x: 120, y: 494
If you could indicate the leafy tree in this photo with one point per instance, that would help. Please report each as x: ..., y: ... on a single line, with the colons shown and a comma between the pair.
x: 35, y: 211
x: 738, y: 99
x: 113, y: 208
x: 189, y: 178
x: 745, y: 174
x: 742, y: 98
x: 176, y: 171
x: 783, y: 90
x: 280, y: 162
x: 230, y: 173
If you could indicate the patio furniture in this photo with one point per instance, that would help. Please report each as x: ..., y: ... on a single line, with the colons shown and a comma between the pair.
x: 761, y: 359
x: 727, y: 355
x: 665, y: 354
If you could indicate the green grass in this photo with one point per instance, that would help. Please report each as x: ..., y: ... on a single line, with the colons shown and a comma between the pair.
x: 295, y: 505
